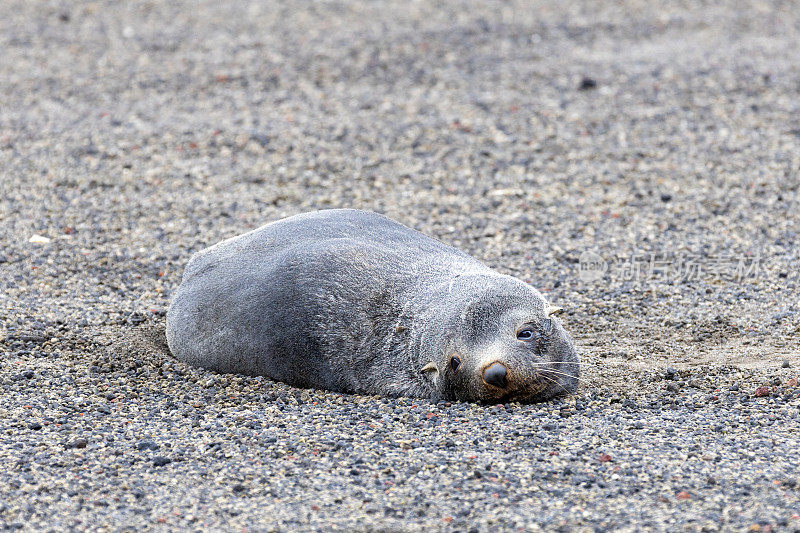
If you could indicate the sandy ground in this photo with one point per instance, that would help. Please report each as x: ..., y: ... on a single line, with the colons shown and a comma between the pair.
x: 639, y: 165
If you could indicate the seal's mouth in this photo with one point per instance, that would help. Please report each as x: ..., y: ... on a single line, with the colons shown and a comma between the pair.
x: 538, y: 388
x: 534, y: 392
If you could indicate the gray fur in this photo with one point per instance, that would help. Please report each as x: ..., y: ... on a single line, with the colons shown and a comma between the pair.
x: 352, y: 301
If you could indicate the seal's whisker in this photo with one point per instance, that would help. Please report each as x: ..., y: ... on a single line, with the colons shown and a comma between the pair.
x: 554, y: 382
x: 564, y: 362
x: 563, y: 374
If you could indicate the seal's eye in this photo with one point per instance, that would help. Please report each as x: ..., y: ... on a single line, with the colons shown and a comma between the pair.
x: 455, y: 362
x: 525, y: 334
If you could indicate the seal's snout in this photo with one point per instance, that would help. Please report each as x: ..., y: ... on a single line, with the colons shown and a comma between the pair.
x: 496, y: 375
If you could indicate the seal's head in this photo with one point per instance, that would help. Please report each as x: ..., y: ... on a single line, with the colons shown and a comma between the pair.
x: 502, y: 342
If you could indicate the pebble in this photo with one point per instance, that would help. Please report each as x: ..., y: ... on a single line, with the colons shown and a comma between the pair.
x: 587, y: 83
x: 147, y: 445
x: 78, y: 443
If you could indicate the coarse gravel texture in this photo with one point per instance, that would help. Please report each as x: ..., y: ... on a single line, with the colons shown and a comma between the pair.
x: 528, y: 134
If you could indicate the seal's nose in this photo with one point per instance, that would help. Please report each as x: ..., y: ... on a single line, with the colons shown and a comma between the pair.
x: 495, y: 374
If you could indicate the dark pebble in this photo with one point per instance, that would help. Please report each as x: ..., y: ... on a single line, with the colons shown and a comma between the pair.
x: 161, y: 461
x: 587, y: 84
x: 147, y: 445
x: 136, y: 319
x: 80, y: 442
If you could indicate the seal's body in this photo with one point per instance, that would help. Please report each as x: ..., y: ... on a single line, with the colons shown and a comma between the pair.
x: 352, y: 301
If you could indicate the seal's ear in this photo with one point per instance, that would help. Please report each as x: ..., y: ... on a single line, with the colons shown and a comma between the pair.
x: 553, y: 310
x: 430, y: 371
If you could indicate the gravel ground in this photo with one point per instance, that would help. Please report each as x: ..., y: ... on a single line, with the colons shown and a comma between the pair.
x: 531, y: 135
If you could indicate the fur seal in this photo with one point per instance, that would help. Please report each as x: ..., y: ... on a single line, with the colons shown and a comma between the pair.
x: 352, y: 301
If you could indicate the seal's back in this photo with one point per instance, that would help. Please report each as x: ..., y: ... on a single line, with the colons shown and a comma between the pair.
x: 253, y: 304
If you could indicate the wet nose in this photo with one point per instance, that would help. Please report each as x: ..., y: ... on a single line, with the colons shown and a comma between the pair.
x: 495, y: 374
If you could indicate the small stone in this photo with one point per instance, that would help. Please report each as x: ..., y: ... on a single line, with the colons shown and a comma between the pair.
x: 147, y: 445
x: 38, y: 239
x: 261, y: 138
x: 136, y: 318
x: 761, y: 392
x: 36, y: 426
x: 80, y: 442
x: 239, y: 488
x: 666, y: 197
x: 785, y: 364
x: 161, y: 461
x: 587, y: 83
